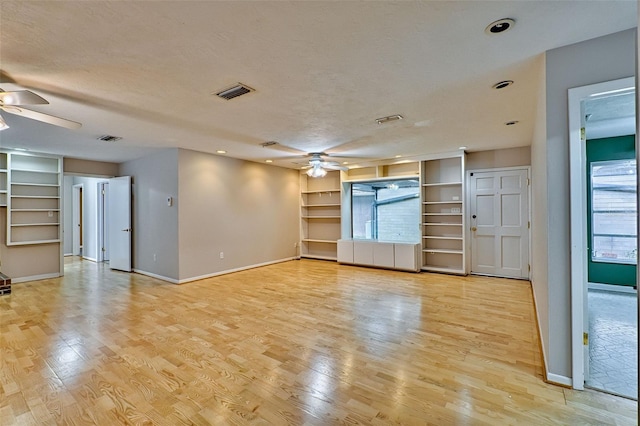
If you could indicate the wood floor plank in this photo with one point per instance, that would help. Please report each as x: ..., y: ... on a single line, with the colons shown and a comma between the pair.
x: 300, y: 343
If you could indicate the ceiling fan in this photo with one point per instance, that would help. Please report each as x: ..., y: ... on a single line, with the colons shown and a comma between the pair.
x: 12, y: 102
x: 318, y: 166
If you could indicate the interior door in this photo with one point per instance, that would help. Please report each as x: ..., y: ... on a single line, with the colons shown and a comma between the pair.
x: 499, y: 217
x: 120, y: 223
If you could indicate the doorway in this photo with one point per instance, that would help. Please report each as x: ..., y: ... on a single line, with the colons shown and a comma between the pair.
x: 499, y: 218
x: 603, y: 239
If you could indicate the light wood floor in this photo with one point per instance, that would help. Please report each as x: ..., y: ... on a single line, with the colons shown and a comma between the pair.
x: 302, y: 342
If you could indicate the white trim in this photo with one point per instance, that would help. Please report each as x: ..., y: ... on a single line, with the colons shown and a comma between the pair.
x: 68, y: 254
x: 559, y: 380
x: 578, y: 185
x: 35, y: 278
x: 91, y: 259
x: 152, y: 275
x: 215, y: 274
x: 612, y: 288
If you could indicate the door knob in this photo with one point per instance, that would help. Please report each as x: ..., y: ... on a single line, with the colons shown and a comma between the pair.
x: 474, y: 229
x: 126, y: 230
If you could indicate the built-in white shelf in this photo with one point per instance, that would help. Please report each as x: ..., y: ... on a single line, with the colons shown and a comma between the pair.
x: 32, y: 184
x: 443, y: 237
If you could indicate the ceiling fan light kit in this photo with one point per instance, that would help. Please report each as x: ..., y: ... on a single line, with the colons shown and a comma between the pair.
x: 316, y: 171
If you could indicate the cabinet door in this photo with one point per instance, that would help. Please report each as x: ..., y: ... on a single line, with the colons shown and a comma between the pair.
x: 363, y: 252
x: 406, y: 257
x: 345, y: 251
x: 383, y: 255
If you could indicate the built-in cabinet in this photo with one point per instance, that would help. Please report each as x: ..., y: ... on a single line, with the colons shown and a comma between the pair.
x: 443, y: 246
x: 442, y: 197
x: 31, y: 185
x: 320, y: 213
x: 380, y: 254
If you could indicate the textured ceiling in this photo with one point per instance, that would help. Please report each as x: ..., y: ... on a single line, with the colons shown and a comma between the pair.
x: 322, y: 73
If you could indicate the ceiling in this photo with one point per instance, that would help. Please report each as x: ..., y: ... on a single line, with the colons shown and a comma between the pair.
x: 322, y: 73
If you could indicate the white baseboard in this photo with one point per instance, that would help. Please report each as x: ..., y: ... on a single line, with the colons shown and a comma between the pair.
x: 152, y: 275
x: 549, y: 377
x: 559, y: 380
x: 230, y: 271
x: 214, y: 274
x: 68, y: 254
x: 91, y: 259
x: 35, y: 278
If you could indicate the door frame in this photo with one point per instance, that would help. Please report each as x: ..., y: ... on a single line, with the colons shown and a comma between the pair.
x: 103, y: 216
x: 77, y: 216
x: 467, y: 213
x: 578, y: 203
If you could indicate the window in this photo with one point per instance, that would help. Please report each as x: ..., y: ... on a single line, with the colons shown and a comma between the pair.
x: 614, y: 211
x: 386, y: 210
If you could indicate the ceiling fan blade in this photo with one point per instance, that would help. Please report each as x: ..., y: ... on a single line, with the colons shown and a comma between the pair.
x: 39, y: 116
x: 21, y: 97
x: 334, y: 167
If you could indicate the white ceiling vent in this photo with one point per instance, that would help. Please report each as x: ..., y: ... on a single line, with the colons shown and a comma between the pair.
x: 235, y: 91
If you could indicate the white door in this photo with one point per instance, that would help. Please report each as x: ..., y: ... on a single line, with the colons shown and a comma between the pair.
x: 499, y: 218
x: 119, y: 222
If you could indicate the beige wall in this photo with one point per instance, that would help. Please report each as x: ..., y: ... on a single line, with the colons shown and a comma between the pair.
x: 89, y: 168
x: 154, y: 223
x: 539, y: 219
x: 247, y: 210
x: 498, y: 158
x: 19, y: 262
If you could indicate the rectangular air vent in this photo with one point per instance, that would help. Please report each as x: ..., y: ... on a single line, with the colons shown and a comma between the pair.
x: 235, y: 91
x: 109, y: 138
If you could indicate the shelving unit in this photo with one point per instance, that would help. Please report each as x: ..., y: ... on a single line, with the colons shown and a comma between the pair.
x: 3, y: 179
x: 443, y: 246
x: 32, y: 198
x: 397, y: 170
x: 320, y: 214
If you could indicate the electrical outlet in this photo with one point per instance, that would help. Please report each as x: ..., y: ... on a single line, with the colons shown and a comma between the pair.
x: 154, y: 257
x: 221, y: 255
x: 50, y: 213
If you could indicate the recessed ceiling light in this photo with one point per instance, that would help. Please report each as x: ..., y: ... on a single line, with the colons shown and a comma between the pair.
x: 462, y: 148
x: 345, y: 162
x: 511, y: 123
x: 502, y: 84
x: 21, y: 149
x: 221, y: 151
x: 500, y: 26
x: 268, y: 161
x: 398, y: 156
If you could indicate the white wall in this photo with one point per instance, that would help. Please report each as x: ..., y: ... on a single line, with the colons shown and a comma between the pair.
x: 247, y: 210
x: 602, y: 59
x: 155, y: 225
